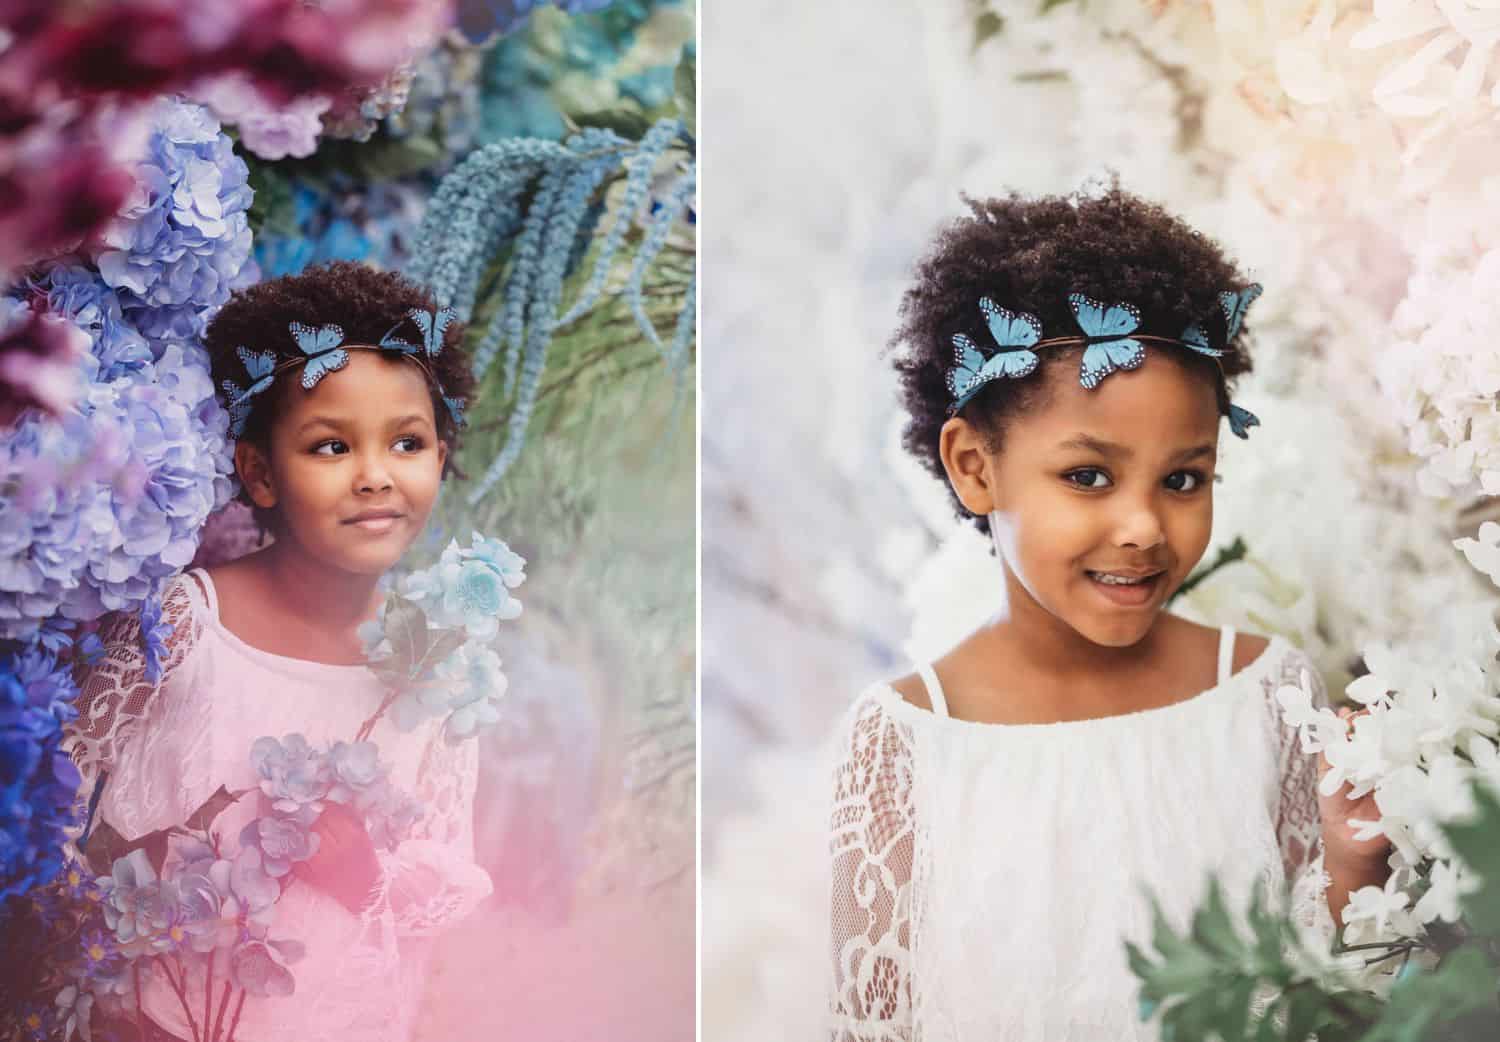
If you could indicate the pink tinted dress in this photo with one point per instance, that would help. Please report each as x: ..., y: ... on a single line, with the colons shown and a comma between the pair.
x: 985, y: 877
x: 168, y: 746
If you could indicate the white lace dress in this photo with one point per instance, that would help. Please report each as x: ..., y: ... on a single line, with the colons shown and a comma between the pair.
x: 985, y: 876
x: 168, y: 746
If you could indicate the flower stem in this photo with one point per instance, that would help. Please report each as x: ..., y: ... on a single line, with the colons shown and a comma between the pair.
x: 208, y: 991
x: 369, y: 725
x: 179, y: 986
x: 223, y: 1005
x: 234, y: 1023
x: 140, y: 1014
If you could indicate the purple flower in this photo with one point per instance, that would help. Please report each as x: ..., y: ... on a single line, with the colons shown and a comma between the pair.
x: 132, y: 902
x: 256, y: 890
x: 281, y: 841
x: 154, y: 635
x: 39, y: 357
x: 292, y: 774
x: 260, y: 966
x: 356, y: 766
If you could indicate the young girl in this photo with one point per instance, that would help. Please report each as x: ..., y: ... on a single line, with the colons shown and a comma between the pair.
x: 1000, y: 813
x: 340, y: 448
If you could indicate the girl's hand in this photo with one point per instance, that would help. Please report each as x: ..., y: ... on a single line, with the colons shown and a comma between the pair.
x: 345, y: 865
x: 1339, y: 845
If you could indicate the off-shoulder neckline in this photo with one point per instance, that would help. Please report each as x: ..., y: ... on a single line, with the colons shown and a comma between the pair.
x: 285, y: 663
x: 1254, y: 670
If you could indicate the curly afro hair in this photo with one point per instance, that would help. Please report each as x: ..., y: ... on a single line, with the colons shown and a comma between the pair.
x: 1028, y: 255
x: 366, y: 303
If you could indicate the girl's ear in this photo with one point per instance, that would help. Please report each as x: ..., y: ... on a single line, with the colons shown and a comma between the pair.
x: 961, y: 446
x: 254, y: 470
x: 442, y: 455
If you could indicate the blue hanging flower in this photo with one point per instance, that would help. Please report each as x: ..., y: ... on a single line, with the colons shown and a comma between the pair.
x: 155, y: 632
x: 38, y: 782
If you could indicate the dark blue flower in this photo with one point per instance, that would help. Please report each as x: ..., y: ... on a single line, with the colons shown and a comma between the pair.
x: 38, y: 782
x: 155, y: 632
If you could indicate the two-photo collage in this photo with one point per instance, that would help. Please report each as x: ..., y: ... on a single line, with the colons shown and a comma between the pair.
x: 1041, y: 586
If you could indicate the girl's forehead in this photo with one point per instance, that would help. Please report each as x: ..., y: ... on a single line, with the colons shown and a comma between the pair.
x: 1151, y: 407
x: 369, y: 386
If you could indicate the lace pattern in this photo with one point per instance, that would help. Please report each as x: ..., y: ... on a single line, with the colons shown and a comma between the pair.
x: 116, y: 699
x: 872, y: 848
x: 878, y: 901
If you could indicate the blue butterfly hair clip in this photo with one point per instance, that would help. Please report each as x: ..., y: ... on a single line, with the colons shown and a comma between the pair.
x: 1110, y: 341
x: 261, y: 365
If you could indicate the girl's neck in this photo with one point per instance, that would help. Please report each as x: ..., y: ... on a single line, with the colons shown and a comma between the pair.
x: 323, y: 599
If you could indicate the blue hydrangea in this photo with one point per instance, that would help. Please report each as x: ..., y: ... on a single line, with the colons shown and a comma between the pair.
x: 38, y: 782
x: 108, y: 500
x: 185, y: 236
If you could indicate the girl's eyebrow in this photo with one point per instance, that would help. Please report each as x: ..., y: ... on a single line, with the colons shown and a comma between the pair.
x: 338, y: 424
x: 1088, y: 443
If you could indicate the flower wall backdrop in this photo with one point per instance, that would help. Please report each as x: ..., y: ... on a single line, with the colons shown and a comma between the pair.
x: 1342, y: 151
x: 226, y: 143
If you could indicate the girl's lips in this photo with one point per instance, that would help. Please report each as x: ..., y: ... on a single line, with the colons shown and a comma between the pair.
x: 377, y: 525
x: 1131, y: 596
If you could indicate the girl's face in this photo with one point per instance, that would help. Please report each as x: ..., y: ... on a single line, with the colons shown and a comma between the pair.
x: 354, y: 463
x: 1118, y: 480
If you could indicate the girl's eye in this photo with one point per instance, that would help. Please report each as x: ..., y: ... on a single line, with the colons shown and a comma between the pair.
x: 1194, y: 480
x: 1085, y: 477
x: 412, y: 442
x: 320, y: 446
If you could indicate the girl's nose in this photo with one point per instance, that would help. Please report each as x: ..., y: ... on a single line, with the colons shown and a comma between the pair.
x: 1140, y: 528
x: 372, y: 477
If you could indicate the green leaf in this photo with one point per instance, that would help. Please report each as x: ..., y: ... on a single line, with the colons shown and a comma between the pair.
x: 1477, y: 844
x: 1212, y: 928
x: 444, y: 643
x: 106, y: 846
x: 1419, y: 1004
x: 987, y: 25
x: 406, y: 629
x: 1048, y: 5
x: 203, y: 817
x: 625, y: 120
x: 685, y: 86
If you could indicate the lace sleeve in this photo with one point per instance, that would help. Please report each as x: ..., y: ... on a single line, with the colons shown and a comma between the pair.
x: 431, y: 880
x: 116, y: 696
x: 1298, y: 825
x: 872, y: 848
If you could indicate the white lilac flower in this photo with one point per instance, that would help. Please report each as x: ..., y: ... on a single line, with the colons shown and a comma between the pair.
x: 1377, y: 903
x: 1484, y: 552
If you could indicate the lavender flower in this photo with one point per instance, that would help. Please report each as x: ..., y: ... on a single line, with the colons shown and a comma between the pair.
x: 250, y: 882
x: 355, y: 767
x: 281, y: 841
x: 293, y: 775
x: 259, y: 967
x: 183, y: 237
x: 132, y: 904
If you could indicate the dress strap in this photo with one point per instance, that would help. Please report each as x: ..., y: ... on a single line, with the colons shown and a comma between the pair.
x: 205, y: 586
x: 934, y: 689
x: 1226, y: 652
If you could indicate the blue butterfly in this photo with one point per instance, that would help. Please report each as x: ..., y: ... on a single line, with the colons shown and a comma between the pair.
x: 1117, y: 321
x: 261, y: 365
x: 1241, y: 420
x: 321, y: 345
x: 239, y: 407
x: 1013, y: 332
x: 433, y: 325
x: 1233, y: 305
x: 456, y: 410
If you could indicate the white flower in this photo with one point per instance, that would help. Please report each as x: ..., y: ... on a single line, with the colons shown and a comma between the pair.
x: 1484, y: 553
x: 1377, y: 904
x: 1447, y: 885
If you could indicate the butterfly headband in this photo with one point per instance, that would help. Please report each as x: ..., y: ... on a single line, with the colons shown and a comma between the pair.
x: 1110, y: 340
x: 324, y: 352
